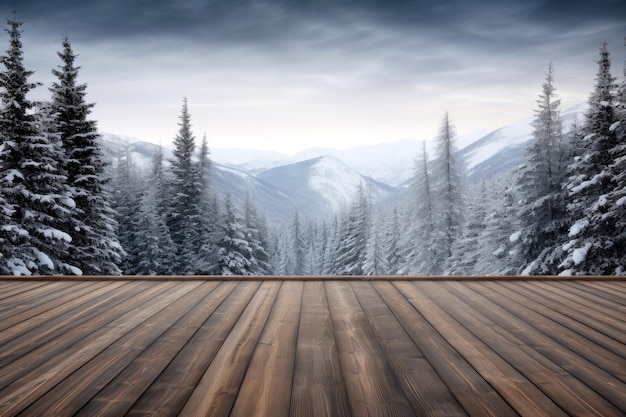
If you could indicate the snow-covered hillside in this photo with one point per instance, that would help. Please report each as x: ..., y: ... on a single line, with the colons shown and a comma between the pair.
x: 323, y: 185
x: 503, y: 149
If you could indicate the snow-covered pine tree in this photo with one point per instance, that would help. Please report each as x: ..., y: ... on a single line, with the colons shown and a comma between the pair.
x: 95, y: 246
x: 542, y: 212
x: 616, y: 198
x: 155, y: 251
x: 208, y: 214
x: 499, y: 236
x: 298, y: 246
x: 590, y: 246
x: 184, y: 209
x: 353, y: 236
x: 468, y: 249
x: 36, y: 202
x: 395, y: 261
x: 448, y: 195
x: 127, y: 193
x: 421, y: 258
x: 256, y: 235
x: 234, y: 255
x: 375, y: 260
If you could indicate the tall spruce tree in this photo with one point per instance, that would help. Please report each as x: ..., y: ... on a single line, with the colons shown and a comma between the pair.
x: 422, y: 253
x: 448, y: 175
x: 353, y: 235
x: 36, y: 204
x: 234, y: 255
x: 184, y: 188
x: 590, y: 247
x: 95, y: 246
x: 542, y: 213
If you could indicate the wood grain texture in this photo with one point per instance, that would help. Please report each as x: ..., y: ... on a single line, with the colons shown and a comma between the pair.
x: 199, y: 346
x: 318, y: 389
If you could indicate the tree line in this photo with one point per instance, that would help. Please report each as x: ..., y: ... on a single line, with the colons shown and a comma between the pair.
x: 65, y: 211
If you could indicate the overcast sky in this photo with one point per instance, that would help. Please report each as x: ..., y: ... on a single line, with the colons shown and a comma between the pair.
x: 291, y: 74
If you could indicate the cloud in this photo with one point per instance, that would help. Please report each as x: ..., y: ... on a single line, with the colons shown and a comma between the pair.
x: 352, y: 68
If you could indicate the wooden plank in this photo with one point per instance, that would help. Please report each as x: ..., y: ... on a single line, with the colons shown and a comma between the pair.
x: 566, y: 293
x: 266, y: 387
x: 12, y: 290
x: 318, y: 388
x: 122, y: 392
x: 569, y: 393
x: 557, y: 344
x: 70, y: 395
x: 48, y: 351
x: 21, y: 393
x: 23, y: 337
x: 601, y: 294
x: 553, y: 316
x: 169, y: 392
x: 511, y: 384
x: 423, y: 388
x: 582, y: 310
x: 469, y: 388
x: 32, y: 303
x: 217, y: 390
x: 370, y: 384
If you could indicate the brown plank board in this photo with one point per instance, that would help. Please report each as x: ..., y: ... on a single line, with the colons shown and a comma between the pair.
x: 217, y: 390
x: 318, y: 388
x: 470, y: 389
x: 441, y: 309
x: 22, y: 392
x: 582, y: 310
x: 123, y: 390
x: 266, y: 387
x: 612, y: 294
x: 372, y: 388
x: 22, y: 337
x: 68, y: 396
x: 170, y: 391
x: 571, y: 295
x: 34, y: 358
x: 40, y: 299
x: 306, y: 347
x: 561, y: 346
x: 424, y: 389
x: 13, y: 290
x: 573, y: 318
x: 566, y: 390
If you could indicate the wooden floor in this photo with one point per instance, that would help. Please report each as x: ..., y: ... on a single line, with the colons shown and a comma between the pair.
x: 312, y: 348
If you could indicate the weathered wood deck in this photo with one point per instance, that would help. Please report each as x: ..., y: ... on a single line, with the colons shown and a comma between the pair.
x: 312, y: 348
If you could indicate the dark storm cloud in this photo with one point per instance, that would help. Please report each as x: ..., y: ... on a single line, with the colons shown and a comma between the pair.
x: 322, y: 59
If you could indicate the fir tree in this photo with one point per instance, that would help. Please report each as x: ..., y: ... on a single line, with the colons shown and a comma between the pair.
x: 298, y: 245
x: 184, y: 210
x: 542, y: 213
x: 256, y: 235
x: 354, y: 233
x: 95, y: 246
x: 36, y: 202
x: 449, y: 174
x: 155, y: 252
x: 234, y: 255
x: 422, y: 256
x: 591, y: 247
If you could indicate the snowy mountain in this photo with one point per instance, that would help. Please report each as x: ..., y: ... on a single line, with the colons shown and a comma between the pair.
x: 323, y: 185
x: 319, y: 181
x: 504, y: 148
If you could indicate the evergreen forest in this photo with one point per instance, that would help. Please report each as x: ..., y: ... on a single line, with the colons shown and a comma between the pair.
x: 64, y: 210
